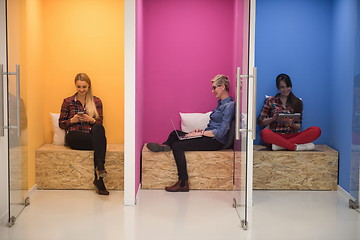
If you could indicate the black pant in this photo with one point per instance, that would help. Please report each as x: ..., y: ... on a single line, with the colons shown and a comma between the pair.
x: 196, y: 144
x: 95, y: 140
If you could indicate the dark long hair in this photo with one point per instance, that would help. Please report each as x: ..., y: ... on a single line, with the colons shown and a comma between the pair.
x: 293, y: 101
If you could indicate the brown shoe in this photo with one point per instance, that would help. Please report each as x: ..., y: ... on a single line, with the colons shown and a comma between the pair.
x: 155, y: 147
x: 100, y: 187
x: 178, y: 187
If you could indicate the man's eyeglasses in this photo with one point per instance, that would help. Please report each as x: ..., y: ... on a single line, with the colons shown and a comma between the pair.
x: 216, y: 86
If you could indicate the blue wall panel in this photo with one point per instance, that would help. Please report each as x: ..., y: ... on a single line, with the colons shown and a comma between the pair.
x: 314, y: 42
x: 294, y: 37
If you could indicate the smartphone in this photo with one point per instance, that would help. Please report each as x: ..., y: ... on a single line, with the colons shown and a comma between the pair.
x: 80, y: 113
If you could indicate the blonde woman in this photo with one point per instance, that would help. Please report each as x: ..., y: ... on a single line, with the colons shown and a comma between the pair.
x: 213, y: 137
x: 81, y: 117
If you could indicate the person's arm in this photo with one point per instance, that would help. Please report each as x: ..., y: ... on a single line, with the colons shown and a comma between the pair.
x: 264, y: 118
x: 200, y: 132
x: 208, y: 133
x: 64, y: 121
x: 267, y: 121
x: 99, y: 108
x: 228, y: 115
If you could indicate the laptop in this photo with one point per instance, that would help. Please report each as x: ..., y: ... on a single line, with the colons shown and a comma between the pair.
x: 182, y: 137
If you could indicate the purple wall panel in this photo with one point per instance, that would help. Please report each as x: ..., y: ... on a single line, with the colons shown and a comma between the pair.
x: 185, y: 44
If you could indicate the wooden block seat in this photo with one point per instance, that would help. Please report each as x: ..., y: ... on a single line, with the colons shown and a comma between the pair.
x: 295, y: 170
x: 206, y: 169
x: 59, y: 167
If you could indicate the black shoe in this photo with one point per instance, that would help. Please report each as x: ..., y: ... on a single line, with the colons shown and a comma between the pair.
x: 155, y: 147
x: 100, y: 187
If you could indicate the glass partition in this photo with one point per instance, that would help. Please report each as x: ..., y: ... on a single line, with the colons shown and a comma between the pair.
x: 244, y: 113
x: 17, y: 119
x: 355, y: 155
x: 3, y: 116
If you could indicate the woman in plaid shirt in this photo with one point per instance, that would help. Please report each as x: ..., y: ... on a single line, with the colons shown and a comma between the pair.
x: 284, y: 133
x: 81, y: 117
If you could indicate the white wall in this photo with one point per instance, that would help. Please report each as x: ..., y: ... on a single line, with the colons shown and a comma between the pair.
x: 129, y: 81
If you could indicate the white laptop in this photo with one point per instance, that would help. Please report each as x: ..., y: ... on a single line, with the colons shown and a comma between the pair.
x: 183, y: 137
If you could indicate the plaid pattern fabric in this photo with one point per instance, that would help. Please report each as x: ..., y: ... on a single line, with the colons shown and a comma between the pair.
x: 70, y: 107
x: 271, y: 105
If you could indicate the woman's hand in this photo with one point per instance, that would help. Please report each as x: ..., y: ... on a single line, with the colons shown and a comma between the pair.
x: 266, y: 121
x: 196, y: 132
x: 289, y: 121
x: 87, y: 118
x: 82, y: 118
x: 75, y: 118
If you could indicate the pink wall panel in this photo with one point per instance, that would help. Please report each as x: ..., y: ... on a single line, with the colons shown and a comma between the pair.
x: 183, y: 45
x: 139, y: 136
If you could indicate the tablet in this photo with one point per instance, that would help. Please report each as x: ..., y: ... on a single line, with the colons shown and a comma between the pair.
x: 296, y: 116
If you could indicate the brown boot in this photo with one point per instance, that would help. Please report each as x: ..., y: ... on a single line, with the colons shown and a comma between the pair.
x: 180, y: 186
x: 155, y: 147
x: 100, y: 187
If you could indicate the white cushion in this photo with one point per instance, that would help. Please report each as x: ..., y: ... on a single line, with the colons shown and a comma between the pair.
x: 191, y: 121
x: 59, y: 134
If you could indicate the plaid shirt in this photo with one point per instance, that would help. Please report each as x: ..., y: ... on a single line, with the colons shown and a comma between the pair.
x: 271, y: 105
x: 70, y: 107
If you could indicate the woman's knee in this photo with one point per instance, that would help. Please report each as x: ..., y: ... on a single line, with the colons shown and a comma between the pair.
x: 79, y: 140
x: 315, y: 130
x: 176, y: 146
x: 265, y: 133
x: 98, y: 127
x: 98, y: 131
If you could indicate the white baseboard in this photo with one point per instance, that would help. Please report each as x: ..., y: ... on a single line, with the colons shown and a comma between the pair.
x: 137, y: 194
x: 132, y: 201
x: 4, y: 218
x: 344, y: 194
x: 32, y: 191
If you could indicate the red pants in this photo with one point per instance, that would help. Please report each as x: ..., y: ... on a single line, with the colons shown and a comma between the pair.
x: 290, y: 140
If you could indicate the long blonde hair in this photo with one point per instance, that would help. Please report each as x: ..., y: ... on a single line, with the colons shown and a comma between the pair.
x: 89, y: 98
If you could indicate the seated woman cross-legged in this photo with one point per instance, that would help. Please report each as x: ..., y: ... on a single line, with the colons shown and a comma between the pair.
x: 284, y: 132
x: 213, y: 137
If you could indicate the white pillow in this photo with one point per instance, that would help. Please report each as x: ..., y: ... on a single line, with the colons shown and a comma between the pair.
x: 191, y: 121
x: 59, y: 134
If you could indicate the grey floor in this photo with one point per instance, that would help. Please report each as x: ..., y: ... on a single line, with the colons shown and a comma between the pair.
x: 290, y: 215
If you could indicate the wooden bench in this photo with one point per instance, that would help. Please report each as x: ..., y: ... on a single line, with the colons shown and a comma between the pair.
x: 59, y: 167
x: 295, y: 170
x: 206, y: 169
